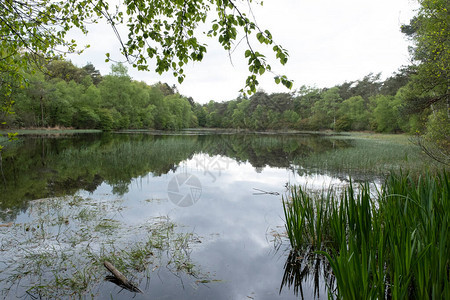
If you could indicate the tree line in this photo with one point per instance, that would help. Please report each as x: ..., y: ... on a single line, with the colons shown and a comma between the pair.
x: 63, y: 95
x: 366, y: 104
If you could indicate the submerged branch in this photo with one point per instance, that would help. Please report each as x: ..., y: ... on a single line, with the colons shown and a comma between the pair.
x: 120, y: 279
x: 261, y: 192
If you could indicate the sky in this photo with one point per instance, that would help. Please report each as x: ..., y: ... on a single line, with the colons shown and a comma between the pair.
x: 329, y: 42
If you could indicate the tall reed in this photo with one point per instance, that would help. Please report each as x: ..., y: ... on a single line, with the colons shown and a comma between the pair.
x: 391, y: 245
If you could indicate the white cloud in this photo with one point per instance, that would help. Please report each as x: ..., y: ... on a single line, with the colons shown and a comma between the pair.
x: 329, y: 42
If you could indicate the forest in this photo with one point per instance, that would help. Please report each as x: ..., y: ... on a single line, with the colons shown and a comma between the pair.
x: 65, y: 95
x: 60, y: 94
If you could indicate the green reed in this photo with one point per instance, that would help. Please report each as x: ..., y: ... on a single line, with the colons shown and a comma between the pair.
x: 369, y: 154
x: 391, y: 244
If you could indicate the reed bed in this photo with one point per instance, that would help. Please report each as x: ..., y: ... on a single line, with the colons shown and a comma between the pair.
x: 391, y: 244
x: 368, y: 154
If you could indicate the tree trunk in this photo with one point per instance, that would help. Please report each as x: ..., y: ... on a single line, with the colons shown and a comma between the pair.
x: 42, y: 111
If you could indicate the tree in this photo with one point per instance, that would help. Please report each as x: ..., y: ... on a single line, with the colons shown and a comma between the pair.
x: 61, y: 100
x: 429, y: 88
x: 259, y: 119
x: 241, y: 118
x: 431, y: 52
x: 64, y: 70
x: 201, y: 115
x: 93, y: 73
x: 304, y: 102
x: 386, y: 116
x: 325, y: 110
x: 164, y: 32
x: 353, y: 114
x: 31, y: 31
x: 290, y: 118
x: 398, y: 80
x: 367, y: 87
x: 116, y: 88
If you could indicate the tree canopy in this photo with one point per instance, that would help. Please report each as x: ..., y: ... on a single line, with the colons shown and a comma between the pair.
x: 165, y: 32
x: 430, y: 34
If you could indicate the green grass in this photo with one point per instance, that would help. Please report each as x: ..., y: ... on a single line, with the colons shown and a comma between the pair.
x: 394, y: 244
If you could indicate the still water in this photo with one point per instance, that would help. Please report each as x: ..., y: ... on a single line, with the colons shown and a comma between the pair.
x: 184, y: 216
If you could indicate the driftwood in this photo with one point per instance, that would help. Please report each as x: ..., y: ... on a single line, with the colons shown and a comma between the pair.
x: 261, y: 192
x: 119, y: 279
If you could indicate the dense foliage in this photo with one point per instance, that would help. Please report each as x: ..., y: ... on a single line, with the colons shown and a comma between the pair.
x: 366, y: 104
x: 163, y: 36
x: 428, y: 91
x: 68, y: 96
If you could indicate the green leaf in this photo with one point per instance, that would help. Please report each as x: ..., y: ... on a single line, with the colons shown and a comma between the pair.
x: 261, y: 70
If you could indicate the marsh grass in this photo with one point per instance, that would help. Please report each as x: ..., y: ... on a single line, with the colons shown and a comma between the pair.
x: 393, y: 244
x: 369, y: 154
x: 59, y: 252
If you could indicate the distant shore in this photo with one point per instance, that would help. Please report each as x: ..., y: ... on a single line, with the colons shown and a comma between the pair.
x: 62, y: 130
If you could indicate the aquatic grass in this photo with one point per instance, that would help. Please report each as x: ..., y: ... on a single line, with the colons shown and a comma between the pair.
x: 393, y: 244
x: 57, y: 254
x: 368, y: 154
x: 307, y: 218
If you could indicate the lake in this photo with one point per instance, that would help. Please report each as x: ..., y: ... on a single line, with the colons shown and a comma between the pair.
x: 190, y: 215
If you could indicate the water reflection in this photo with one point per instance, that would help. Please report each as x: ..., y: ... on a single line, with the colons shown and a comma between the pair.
x: 41, y: 167
x: 306, y: 268
x: 233, y: 224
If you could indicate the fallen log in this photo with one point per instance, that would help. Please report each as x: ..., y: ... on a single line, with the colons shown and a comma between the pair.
x: 120, y: 279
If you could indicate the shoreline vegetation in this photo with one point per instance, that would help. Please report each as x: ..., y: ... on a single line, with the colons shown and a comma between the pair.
x: 394, y: 244
x: 70, y: 130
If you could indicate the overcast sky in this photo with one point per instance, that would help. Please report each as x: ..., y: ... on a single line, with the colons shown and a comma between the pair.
x: 329, y: 42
